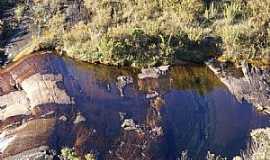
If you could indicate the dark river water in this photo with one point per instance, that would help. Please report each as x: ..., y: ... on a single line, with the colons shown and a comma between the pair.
x: 189, y: 109
x: 194, y: 109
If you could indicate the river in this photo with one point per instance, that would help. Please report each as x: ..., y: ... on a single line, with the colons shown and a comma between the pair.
x: 89, y: 109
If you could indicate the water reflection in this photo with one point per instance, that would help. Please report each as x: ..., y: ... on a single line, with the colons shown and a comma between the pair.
x: 189, y: 109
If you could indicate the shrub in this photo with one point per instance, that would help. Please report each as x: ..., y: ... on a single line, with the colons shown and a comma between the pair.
x: 69, y: 154
x: 133, y: 32
x: 81, y: 43
x: 260, y: 145
x: 51, y: 37
x: 19, y: 11
x: 90, y: 156
x: 259, y: 13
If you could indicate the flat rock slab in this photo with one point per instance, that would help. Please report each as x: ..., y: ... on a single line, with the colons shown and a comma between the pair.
x: 42, y: 89
x: 31, y: 90
x: 39, y: 86
x: 37, y: 80
x: 14, y: 103
x: 33, y: 134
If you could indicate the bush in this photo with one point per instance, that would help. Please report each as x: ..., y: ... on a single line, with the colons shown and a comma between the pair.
x: 69, y: 154
x: 260, y: 145
x: 52, y: 35
x: 259, y: 13
x: 19, y: 11
x: 158, y: 32
x: 134, y: 48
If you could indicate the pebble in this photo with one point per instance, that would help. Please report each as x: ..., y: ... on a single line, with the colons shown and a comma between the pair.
x: 79, y: 118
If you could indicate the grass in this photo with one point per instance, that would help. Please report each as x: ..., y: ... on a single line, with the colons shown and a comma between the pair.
x: 140, y: 34
x: 147, y: 36
x: 69, y: 154
x: 232, y: 11
x: 259, y: 148
x: 209, y: 156
x: 19, y: 11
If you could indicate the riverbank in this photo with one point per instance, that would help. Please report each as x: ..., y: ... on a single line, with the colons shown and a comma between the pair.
x: 248, y: 83
x: 145, y: 35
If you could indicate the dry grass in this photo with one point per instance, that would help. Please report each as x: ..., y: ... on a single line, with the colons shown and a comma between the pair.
x: 260, y: 145
x: 168, y: 30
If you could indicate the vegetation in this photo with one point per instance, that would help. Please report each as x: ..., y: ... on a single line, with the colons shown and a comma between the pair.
x: 19, y: 11
x: 69, y: 154
x: 259, y: 148
x: 209, y: 156
x: 5, y: 29
x: 260, y: 145
x: 140, y: 34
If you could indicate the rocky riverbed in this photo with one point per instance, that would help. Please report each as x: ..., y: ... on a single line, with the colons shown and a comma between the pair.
x: 44, y: 107
x: 248, y: 83
x: 49, y: 102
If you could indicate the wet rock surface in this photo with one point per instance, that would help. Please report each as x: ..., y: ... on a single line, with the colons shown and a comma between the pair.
x: 155, y: 72
x: 1, y: 29
x: 122, y: 82
x: 48, y: 102
x: 16, y: 35
x: 251, y: 83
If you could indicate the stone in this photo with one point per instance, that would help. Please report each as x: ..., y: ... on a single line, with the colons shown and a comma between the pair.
x: 164, y: 69
x: 79, y: 118
x: 32, y: 90
x: 14, y: 104
x: 129, y: 125
x: 39, y: 153
x: 149, y: 73
x: 157, y: 103
x: 42, y: 89
x: 237, y: 158
x: 151, y: 95
x: 38, y: 132
x: 122, y: 115
x: 250, y: 83
x: 157, y: 131
x: 154, y: 73
x: 122, y: 82
x: 63, y: 118
x: 1, y: 29
x: 48, y: 114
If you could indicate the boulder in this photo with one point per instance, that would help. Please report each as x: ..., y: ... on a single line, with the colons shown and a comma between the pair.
x: 79, y: 119
x: 122, y: 82
x: 250, y: 83
x: 1, y: 29
x: 155, y: 72
x: 129, y: 125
